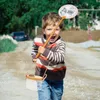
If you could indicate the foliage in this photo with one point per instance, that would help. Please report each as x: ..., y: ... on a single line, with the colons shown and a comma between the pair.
x: 24, y: 15
x: 6, y: 45
x: 83, y: 22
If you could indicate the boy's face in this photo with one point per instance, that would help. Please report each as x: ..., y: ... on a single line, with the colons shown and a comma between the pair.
x: 49, y: 29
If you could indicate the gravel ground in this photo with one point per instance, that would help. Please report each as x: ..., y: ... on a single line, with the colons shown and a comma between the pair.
x: 82, y: 81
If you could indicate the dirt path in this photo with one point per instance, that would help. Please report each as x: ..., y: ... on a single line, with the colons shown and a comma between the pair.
x: 81, y: 82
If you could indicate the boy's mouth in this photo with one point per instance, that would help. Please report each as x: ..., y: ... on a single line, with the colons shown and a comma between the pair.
x: 53, y: 37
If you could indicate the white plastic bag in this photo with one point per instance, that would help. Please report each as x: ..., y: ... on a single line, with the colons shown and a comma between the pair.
x: 31, y: 84
x: 34, y: 82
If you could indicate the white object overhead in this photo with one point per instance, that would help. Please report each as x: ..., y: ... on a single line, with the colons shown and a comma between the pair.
x: 69, y: 11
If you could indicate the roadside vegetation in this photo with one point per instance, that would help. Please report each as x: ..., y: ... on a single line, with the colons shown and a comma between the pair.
x: 24, y: 15
x: 7, y: 44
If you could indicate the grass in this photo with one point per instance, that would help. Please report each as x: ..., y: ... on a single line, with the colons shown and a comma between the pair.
x: 7, y: 45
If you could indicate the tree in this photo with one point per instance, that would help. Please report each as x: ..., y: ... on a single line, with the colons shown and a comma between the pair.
x: 24, y: 15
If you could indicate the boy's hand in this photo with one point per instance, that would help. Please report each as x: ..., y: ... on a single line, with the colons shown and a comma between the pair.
x: 41, y: 49
x: 34, y: 60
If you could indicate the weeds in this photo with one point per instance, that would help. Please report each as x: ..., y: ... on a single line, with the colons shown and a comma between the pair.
x: 7, y: 44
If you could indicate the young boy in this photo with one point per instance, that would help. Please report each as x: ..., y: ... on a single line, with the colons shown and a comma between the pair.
x: 51, y: 59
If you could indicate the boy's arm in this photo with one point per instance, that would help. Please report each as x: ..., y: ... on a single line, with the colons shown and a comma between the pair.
x: 34, y: 50
x: 56, y: 56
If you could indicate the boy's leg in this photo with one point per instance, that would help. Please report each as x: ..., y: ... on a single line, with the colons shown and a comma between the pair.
x: 44, y: 92
x: 57, y: 90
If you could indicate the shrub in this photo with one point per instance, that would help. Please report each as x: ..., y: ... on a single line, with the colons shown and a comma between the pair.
x: 83, y: 22
x: 7, y: 45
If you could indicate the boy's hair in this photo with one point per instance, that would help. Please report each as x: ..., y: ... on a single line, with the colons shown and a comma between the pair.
x: 51, y: 19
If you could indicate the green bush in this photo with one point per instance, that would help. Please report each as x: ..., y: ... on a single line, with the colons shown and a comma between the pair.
x: 32, y: 35
x: 83, y: 22
x: 7, y: 45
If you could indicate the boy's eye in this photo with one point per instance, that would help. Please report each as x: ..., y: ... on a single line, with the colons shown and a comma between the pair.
x: 49, y: 29
x: 57, y: 29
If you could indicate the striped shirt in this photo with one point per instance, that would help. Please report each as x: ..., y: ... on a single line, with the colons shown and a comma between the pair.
x: 52, y: 59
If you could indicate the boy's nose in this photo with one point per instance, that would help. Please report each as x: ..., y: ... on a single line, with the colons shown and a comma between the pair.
x: 55, y: 32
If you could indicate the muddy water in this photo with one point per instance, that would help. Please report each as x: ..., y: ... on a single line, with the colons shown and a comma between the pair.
x: 81, y: 82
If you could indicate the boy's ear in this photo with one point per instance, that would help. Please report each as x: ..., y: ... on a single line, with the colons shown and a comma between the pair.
x: 43, y: 31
